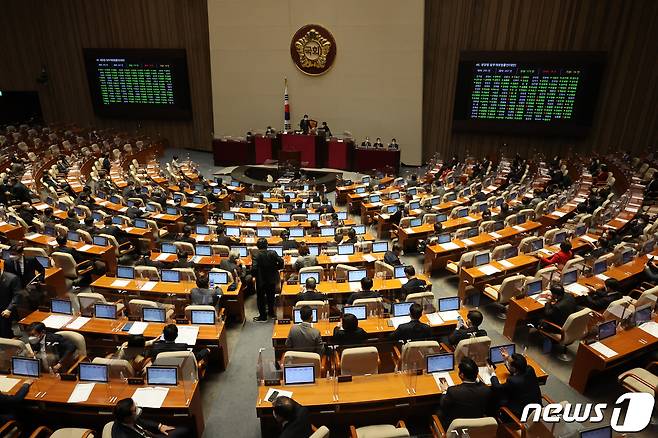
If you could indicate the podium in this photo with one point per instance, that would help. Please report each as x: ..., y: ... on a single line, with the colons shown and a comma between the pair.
x: 366, y: 159
x: 263, y: 149
x: 232, y: 152
x: 306, y: 145
x: 339, y: 153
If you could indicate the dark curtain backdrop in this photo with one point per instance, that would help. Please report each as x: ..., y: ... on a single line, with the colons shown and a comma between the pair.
x: 626, y: 116
x: 54, y: 32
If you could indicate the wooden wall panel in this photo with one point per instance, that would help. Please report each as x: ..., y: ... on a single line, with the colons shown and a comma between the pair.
x: 53, y: 33
x: 626, y: 116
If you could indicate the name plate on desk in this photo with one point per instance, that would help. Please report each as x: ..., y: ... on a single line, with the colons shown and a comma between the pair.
x: 347, y: 378
x: 135, y: 380
x: 68, y: 377
x: 334, y: 318
x: 272, y: 382
x: 283, y: 321
x: 182, y: 321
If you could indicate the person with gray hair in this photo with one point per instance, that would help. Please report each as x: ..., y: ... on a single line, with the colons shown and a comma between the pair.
x: 233, y: 265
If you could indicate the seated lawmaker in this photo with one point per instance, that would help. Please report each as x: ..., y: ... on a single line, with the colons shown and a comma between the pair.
x: 128, y: 423
x: 305, y: 259
x: 470, y: 399
x: 168, y: 343
x: 413, y: 283
x: 521, y: 387
x: 292, y: 416
x: 366, y: 292
x: 286, y: 242
x: 413, y: 330
x: 9, y: 403
x: 465, y: 331
x: 392, y: 257
x: 303, y: 336
x: 560, y: 257
x: 348, y: 331
x: 51, y: 349
x: 202, y: 294
x: 560, y: 306
x: 600, y: 300
x: 309, y: 293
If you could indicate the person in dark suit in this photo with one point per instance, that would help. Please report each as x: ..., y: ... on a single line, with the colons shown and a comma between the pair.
x: 299, y: 208
x: 265, y: 269
x: 351, y: 236
x: 9, y: 403
x: 168, y: 343
x: 466, y: 331
x: 223, y: 239
x: 305, y: 124
x: 145, y: 260
x: 25, y: 268
x: 601, y: 299
x: 45, y: 344
x: 61, y: 247
x: 366, y: 292
x: 395, y: 217
x: 561, y: 305
x: 19, y: 191
x: 201, y: 294
x: 378, y: 143
x: 186, y: 236
x: 71, y: 222
x: 349, y: 332
x: 309, y: 293
x: 521, y: 387
x: 292, y: 416
x: 10, y: 286
x: 413, y: 330
x: 128, y: 423
x: 470, y: 399
x: 413, y: 284
x: 286, y: 242
x: 392, y: 257
x: 110, y: 229
x: 366, y: 143
x: 182, y: 261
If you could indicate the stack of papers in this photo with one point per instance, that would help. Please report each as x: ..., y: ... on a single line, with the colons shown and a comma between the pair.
x: 470, y: 219
x: 397, y: 320
x: 605, y: 351
x: 468, y: 242
x: 558, y: 213
x: 81, y: 392
x: 449, y: 315
x: 369, y: 258
x: 409, y: 230
x: 602, y: 277
x: 57, y: 321
x: 577, y: 289
x: 84, y: 248
x: 588, y: 239
x: 187, y: 334
x: 7, y: 383
x: 120, y: 283
x: 650, y: 327
x: 355, y: 286
x: 434, y: 319
x: 78, y: 322
x: 162, y: 256
x: 495, y: 235
x: 518, y: 228
x: 138, y: 328
x: 505, y: 263
x: 449, y: 246
x: 340, y: 259
x: 488, y: 269
x: 149, y: 285
x: 485, y: 375
x: 151, y: 397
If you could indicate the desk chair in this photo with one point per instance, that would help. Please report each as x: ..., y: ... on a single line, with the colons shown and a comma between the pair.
x: 186, y: 274
x: 486, y: 226
x: 188, y: 368
x: 381, y: 266
x: 69, y: 432
x: 502, y: 294
x: 477, y: 348
x: 341, y: 271
x: 547, y: 275
x: 500, y: 251
x: 221, y: 250
x: 157, y: 232
x: 374, y: 306
x: 576, y: 262
x: 147, y: 272
x: 477, y: 427
x: 319, y: 432
x: 10, y: 429
x: 358, y: 361
x: 575, y: 328
x: 413, y: 353
x: 540, y: 209
x: 380, y: 431
x: 305, y: 358
x: 186, y: 247
x: 511, y: 424
x: 318, y: 269
x: 641, y: 379
x: 80, y: 343
x: 425, y: 299
x: 31, y: 251
x: 119, y: 368
x: 72, y: 271
x: 618, y: 308
x: 229, y: 274
x: 135, y: 308
x: 86, y: 301
x: 189, y: 308
x: 12, y: 347
x: 465, y: 261
x: 642, y: 297
x: 430, y: 218
x: 120, y: 250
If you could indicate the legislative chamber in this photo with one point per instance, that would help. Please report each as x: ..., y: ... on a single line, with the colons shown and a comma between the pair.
x: 370, y: 219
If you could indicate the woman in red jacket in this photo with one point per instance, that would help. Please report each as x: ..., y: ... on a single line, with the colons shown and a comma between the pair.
x: 560, y: 257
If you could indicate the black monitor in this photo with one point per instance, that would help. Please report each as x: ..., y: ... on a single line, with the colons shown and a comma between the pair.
x: 152, y: 314
x: 447, y: 304
x: 402, y: 309
x: 607, y: 329
x: 298, y: 374
x: 171, y: 276
x: 203, y: 317
x: 106, y: 311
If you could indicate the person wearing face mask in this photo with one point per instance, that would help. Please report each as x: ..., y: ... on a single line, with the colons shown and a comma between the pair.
x: 292, y: 417
x: 53, y: 349
x: 304, y: 124
x: 10, y: 286
x: 378, y: 143
x: 25, y: 268
x: 366, y: 143
x: 521, y: 387
x: 129, y: 423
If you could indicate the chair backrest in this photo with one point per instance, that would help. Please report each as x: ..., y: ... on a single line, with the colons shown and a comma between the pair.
x: 303, y: 357
x: 382, y: 431
x: 149, y: 272
x: 649, y: 296
x: 135, y: 306
x: 188, y: 309
x: 547, y: 275
x: 186, y: 274
x: 77, y: 339
x: 498, y: 252
x: 425, y: 299
x: 66, y: 263
x: 381, y: 266
x: 119, y: 368
x: 183, y: 360
x: 321, y: 432
x: 477, y: 427
x: 466, y: 259
x: 228, y: 273
x: 87, y: 300
x: 186, y: 247
x: 318, y: 269
x: 623, y: 307
x: 414, y: 352
x: 221, y: 250
x: 405, y: 222
x: 12, y: 347
x: 577, y: 262
x: 33, y: 252
x: 510, y: 287
x: 107, y: 430
x: 373, y: 305
x: 359, y: 361
x: 576, y: 327
x: 476, y: 348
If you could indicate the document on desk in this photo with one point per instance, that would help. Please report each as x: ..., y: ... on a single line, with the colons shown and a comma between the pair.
x: 8, y: 383
x: 443, y: 381
x: 579, y: 200
x: 468, y: 242
x: 488, y: 269
x: 602, y: 277
x: 449, y: 246
x: 409, y: 230
x: 187, y: 334
x: 495, y: 235
x: 604, y: 350
x: 397, y: 320
x: 485, y: 375
x: 369, y: 258
x: 120, y: 283
x: 340, y: 259
x: 273, y: 394
x: 162, y: 256
x: 138, y: 328
x: 81, y: 392
x: 57, y: 321
x: 518, y: 228
x: 434, y: 319
x: 32, y: 236
x: 470, y: 218
x: 650, y: 327
x: 577, y: 289
x: 149, y: 285
x: 191, y: 205
x: 355, y: 286
x: 558, y: 213
x: 78, y: 322
x: 588, y: 239
x: 449, y: 315
x: 151, y: 397
x: 506, y: 264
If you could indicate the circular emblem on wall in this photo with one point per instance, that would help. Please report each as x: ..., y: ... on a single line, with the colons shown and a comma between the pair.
x: 313, y: 49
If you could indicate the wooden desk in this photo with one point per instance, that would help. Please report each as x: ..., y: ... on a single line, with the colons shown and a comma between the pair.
x: 476, y: 278
x: 47, y: 401
x: 12, y: 232
x: 105, y: 335
x: 629, y: 344
x: 367, y: 400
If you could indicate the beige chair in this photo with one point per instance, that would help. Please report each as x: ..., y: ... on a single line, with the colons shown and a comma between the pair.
x: 641, y: 379
x: 384, y: 268
x: 623, y: 307
x: 69, y: 432
x: 304, y: 358
x: 80, y: 343
x: 135, y: 308
x: 320, y: 432
x: 425, y: 299
x: 380, y: 431
x: 476, y: 348
x: 188, y: 309
x: 359, y: 361
x: 188, y: 369
x: 31, y: 251
x: 12, y: 347
x: 577, y: 262
x: 147, y: 272
x: 548, y: 274
x: 72, y: 271
x: 648, y: 296
x: 119, y: 368
x: 465, y: 261
x: 86, y: 301
x: 120, y: 250
x: 374, y: 306
x: 221, y: 250
x: 186, y: 247
x: 499, y: 252
x: 525, y: 246
x: 317, y: 269
x: 413, y: 353
x: 486, y: 427
x: 341, y: 271
x: 186, y: 274
x: 502, y: 294
x: 575, y: 328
